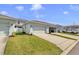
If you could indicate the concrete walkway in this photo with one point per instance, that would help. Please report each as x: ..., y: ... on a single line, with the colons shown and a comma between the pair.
x: 75, y: 50
x: 62, y: 43
x: 2, y: 44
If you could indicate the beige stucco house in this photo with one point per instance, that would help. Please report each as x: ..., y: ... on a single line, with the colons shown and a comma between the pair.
x: 8, y: 25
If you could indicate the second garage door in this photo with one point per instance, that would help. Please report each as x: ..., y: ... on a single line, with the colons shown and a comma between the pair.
x: 38, y: 29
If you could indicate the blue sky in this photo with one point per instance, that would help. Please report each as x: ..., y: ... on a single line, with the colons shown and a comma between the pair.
x: 64, y: 14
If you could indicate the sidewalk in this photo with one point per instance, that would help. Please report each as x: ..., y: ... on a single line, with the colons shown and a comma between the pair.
x: 3, y: 40
x: 62, y: 43
x: 75, y: 50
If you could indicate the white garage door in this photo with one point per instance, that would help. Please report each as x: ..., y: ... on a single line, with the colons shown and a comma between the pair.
x: 4, y: 29
x: 38, y: 29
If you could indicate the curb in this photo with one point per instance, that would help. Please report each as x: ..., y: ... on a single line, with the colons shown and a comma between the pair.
x: 65, y: 52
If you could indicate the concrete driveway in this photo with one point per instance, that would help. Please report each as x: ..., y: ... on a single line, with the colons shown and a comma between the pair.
x: 3, y: 40
x: 62, y: 43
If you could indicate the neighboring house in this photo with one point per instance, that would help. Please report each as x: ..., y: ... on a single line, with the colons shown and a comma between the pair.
x: 8, y: 25
x: 72, y: 28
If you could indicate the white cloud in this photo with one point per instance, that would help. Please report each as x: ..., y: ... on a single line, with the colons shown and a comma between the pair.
x: 74, y: 7
x: 4, y: 12
x: 20, y: 8
x: 37, y: 7
x: 66, y: 12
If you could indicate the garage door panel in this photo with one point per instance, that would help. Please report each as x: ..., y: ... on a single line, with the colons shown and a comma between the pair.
x: 38, y: 29
x: 4, y: 29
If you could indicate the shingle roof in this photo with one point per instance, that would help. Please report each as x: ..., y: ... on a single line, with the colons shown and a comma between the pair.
x: 11, y: 18
x: 5, y: 17
x: 27, y: 21
x: 45, y: 23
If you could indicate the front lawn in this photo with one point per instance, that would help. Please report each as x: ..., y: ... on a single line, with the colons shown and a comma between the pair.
x: 71, y: 34
x: 30, y: 45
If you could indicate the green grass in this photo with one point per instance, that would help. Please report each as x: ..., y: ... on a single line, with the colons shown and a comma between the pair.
x: 71, y: 34
x: 64, y: 36
x: 30, y: 45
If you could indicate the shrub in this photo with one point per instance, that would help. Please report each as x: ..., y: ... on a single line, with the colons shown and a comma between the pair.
x: 64, y: 31
x: 20, y: 33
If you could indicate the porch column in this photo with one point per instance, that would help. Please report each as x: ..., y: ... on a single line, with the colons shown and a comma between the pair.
x: 56, y: 30
x: 31, y: 29
x: 11, y: 29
